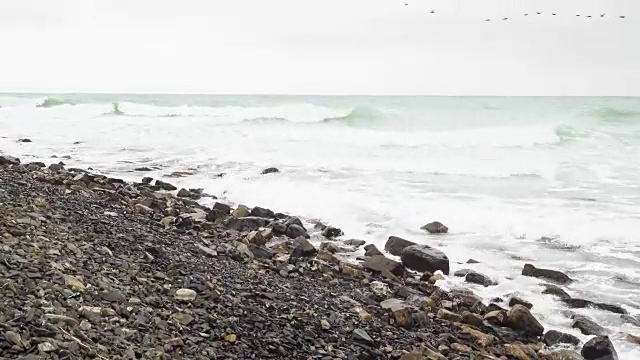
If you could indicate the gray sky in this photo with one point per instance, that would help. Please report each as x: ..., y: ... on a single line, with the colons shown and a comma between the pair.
x: 321, y: 47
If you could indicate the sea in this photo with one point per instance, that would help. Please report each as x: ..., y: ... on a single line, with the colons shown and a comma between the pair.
x: 551, y: 181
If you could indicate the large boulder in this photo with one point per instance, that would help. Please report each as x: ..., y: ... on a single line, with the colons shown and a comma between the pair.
x: 581, y: 303
x: 554, y: 337
x: 555, y: 290
x: 226, y: 209
x: 262, y: 212
x: 302, y: 248
x: 552, y: 275
x: 395, y: 245
x: 599, y: 348
x: 587, y: 326
x: 331, y: 232
x: 425, y: 258
x: 478, y: 278
x: 165, y: 185
x: 294, y: 231
x: 435, y: 227
x: 520, y: 318
x: 380, y: 263
x: 371, y: 250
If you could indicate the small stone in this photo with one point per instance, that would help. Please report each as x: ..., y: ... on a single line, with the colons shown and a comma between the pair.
x: 46, y: 347
x: 61, y: 318
x: 449, y: 316
x: 185, y: 295
x: 183, y: 319
x: 460, y: 348
x: 472, y: 319
x: 112, y: 296
x: 271, y: 170
x: 73, y: 283
x: 425, y: 258
x: 14, y: 337
x: 231, y: 338
x: 325, y: 324
x: 362, y: 336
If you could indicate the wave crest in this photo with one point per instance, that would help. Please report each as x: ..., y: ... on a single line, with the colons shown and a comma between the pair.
x: 49, y: 102
x: 360, y: 115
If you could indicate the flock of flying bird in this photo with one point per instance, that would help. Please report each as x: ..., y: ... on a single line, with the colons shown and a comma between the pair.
x: 540, y: 13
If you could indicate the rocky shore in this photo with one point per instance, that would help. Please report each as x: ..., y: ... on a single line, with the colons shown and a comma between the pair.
x: 94, y: 267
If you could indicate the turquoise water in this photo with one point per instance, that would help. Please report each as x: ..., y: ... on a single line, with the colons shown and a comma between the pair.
x: 500, y: 172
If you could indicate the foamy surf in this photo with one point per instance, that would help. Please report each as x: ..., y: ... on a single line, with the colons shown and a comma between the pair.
x: 515, y: 179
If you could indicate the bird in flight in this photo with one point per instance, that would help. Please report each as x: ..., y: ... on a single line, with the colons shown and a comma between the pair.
x: 588, y: 16
x: 554, y: 14
x: 505, y: 18
x: 526, y: 14
x: 487, y: 19
x: 432, y: 11
x: 577, y: 14
x: 539, y: 13
x: 622, y: 16
x: 602, y: 15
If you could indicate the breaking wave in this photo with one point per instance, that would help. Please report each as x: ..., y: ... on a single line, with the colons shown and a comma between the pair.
x: 361, y: 115
x: 49, y: 102
x: 614, y: 115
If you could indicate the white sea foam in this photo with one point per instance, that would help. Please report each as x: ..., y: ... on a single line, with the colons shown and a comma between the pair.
x: 500, y: 173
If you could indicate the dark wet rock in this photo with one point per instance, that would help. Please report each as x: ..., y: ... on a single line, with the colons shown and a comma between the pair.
x: 634, y: 320
x: 184, y: 193
x: 599, y: 348
x: 165, y: 185
x: 552, y: 275
x: 270, y: 170
x: 472, y: 261
x: 477, y: 278
x: 555, y: 290
x: 242, y: 211
x: 553, y: 337
x: 462, y: 272
x: 224, y: 208
x: 112, y: 296
x: 449, y: 316
x: 262, y: 212
x: 425, y: 258
x: 55, y: 167
x: 581, y: 303
x: 294, y: 231
x: 147, y: 180
x: 261, y: 252
x: 380, y: 263
x: 519, y: 301
x: 362, y: 336
x: 331, y: 232
x: 587, y: 326
x: 25, y: 140
x: 143, y: 168
x: 371, y: 250
x: 9, y: 160
x: 519, y: 318
x: 435, y: 227
x: 248, y: 223
x: 395, y: 245
x: 303, y: 248
x: 356, y: 243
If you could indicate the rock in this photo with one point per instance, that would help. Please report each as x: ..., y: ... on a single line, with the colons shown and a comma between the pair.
x: 13, y: 337
x: 434, y: 278
x: 479, y: 337
x: 435, y: 227
x: 184, y: 193
x: 564, y: 354
x: 355, y: 243
x: 634, y: 339
x: 462, y: 272
x: 260, y: 252
x: 25, y: 140
x: 54, y: 168
x: 295, y: 231
x: 324, y: 324
x: 472, y: 319
x: 232, y: 338
x: 395, y: 245
x: 183, y: 319
x: 425, y: 258
x: 581, y: 303
x: 380, y: 289
x: 147, y: 180
x: 9, y: 160
x: 519, y: 318
x: 496, y: 317
x: 477, y: 278
x: 587, y: 326
x: 449, y: 316
x: 330, y: 247
x: 599, y: 348
x: 552, y: 275
x: 224, y: 208
x: 400, y: 311
x: 247, y: 223
x: 46, y: 347
x: 331, y: 232
x: 270, y: 170
x: 362, y: 336
x: 555, y: 290
x: 303, y: 248
x: 241, y: 211
x: 371, y: 250
x: 165, y: 185
x: 380, y: 263
x: 262, y: 212
x: 143, y: 168
x: 55, y: 318
x: 185, y: 295
x: 472, y: 261
x: 516, y: 300
x: 73, y: 283
x: 112, y: 296
x: 553, y: 337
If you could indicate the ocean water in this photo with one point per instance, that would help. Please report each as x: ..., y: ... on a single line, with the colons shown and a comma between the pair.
x: 501, y: 173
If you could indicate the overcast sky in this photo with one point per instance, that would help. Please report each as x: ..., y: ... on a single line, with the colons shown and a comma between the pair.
x: 321, y: 46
